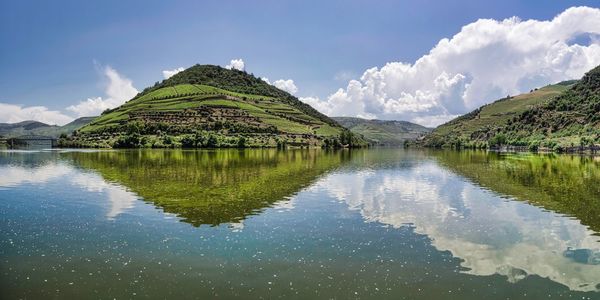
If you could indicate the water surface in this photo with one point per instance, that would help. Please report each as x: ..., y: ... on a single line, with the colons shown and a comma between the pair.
x: 369, y: 224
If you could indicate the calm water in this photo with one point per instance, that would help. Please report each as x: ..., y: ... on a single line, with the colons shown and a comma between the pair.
x: 368, y: 224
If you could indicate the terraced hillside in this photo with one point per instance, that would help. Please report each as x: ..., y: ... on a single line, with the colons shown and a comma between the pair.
x: 564, y: 118
x: 384, y: 132
x: 477, y: 127
x: 209, y: 106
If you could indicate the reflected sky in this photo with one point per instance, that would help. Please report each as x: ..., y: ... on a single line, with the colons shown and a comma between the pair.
x: 490, y: 234
x: 384, y: 223
x: 119, y: 199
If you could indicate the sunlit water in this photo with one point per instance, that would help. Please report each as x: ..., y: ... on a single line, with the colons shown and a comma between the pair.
x: 369, y: 224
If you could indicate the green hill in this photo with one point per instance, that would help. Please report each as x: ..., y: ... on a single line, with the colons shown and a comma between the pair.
x: 38, y: 128
x: 382, y: 132
x: 210, y: 106
x: 556, y: 117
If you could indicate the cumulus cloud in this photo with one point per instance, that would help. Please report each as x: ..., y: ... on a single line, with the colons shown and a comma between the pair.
x: 237, y: 64
x: 118, y: 90
x: 11, y: 113
x: 488, y: 59
x: 168, y: 73
x: 286, y: 85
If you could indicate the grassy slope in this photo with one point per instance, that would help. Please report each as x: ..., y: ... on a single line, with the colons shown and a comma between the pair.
x: 383, y: 132
x: 478, y: 125
x: 210, y: 106
x: 236, y: 81
x: 184, y: 96
x: 571, y: 118
x: 559, y: 117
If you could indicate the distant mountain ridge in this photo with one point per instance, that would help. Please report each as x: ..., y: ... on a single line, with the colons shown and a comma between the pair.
x: 560, y: 117
x: 38, y: 128
x: 384, y: 132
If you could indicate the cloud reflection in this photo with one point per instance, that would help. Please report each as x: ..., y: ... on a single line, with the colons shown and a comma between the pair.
x: 118, y: 197
x: 490, y: 234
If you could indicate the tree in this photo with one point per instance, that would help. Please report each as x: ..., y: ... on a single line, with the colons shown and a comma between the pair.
x: 188, y: 142
x: 211, y: 141
x: 241, y: 142
x: 498, y: 140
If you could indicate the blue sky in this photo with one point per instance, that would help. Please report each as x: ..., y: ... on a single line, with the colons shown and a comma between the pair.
x: 55, y: 53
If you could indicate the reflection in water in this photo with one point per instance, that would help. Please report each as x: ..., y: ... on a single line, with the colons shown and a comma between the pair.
x: 562, y: 183
x: 15, y: 175
x: 39, y: 167
x: 469, y: 204
x: 120, y: 199
x: 491, y: 235
x: 212, y: 187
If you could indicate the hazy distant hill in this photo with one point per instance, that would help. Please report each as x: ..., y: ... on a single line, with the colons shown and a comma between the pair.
x: 210, y: 106
x: 384, y: 132
x: 557, y: 117
x: 39, y: 128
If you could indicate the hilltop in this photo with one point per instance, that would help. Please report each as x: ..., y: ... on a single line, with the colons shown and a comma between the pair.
x: 559, y: 117
x: 383, y: 132
x: 210, y: 106
x: 10, y: 130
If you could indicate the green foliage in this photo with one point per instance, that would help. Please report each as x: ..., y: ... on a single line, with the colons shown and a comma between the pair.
x: 235, y: 81
x: 561, y: 117
x: 128, y: 141
x: 241, y: 142
x: 534, y: 146
x: 230, y: 104
x: 498, y: 140
x: 211, y: 141
x: 382, y: 132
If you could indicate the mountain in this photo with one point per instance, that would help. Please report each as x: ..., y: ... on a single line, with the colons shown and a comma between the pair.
x: 22, y: 128
x: 210, y: 106
x: 39, y: 128
x: 557, y: 117
x: 382, y: 132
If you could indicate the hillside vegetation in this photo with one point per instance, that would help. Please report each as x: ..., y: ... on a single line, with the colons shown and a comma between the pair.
x: 560, y: 117
x: 209, y: 106
x: 382, y: 132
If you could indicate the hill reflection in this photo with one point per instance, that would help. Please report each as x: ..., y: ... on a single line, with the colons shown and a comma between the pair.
x: 211, y: 187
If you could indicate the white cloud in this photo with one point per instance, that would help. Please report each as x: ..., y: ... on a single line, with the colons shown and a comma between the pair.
x: 485, y: 61
x: 118, y: 90
x: 237, y: 64
x: 286, y: 85
x: 168, y: 73
x: 11, y: 113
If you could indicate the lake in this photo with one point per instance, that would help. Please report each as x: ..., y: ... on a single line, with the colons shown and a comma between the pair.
x: 316, y: 224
